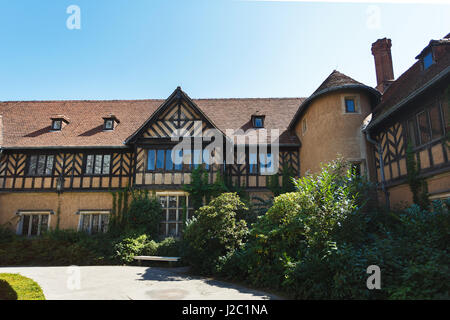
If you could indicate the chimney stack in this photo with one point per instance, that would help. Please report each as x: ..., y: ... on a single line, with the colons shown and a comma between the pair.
x: 381, y: 50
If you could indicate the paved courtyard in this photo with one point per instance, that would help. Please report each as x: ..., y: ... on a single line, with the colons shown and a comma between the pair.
x: 127, y: 282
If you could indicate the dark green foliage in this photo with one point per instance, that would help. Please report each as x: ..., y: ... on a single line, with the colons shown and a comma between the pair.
x: 132, y: 246
x: 199, y: 189
x: 418, y: 185
x: 214, y: 233
x: 144, y: 214
x: 317, y: 242
x: 169, y: 247
x: 287, y: 181
x: 6, y: 234
x: 141, y: 216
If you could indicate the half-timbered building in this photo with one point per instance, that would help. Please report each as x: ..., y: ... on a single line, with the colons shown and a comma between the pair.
x: 415, y: 110
x: 60, y: 160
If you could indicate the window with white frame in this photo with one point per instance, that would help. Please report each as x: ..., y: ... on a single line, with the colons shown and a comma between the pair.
x: 33, y: 223
x: 174, y: 208
x: 93, y: 222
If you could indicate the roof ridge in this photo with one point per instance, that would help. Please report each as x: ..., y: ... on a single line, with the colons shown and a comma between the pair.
x: 141, y: 100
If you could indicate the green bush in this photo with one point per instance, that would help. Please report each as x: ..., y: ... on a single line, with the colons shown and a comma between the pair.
x: 317, y: 242
x: 129, y: 247
x: 169, y: 247
x: 213, y: 233
x: 144, y: 215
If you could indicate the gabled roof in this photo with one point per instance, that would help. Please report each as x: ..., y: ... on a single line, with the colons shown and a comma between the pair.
x: 26, y: 124
x: 334, y: 82
x: 176, y: 96
x: 414, y: 81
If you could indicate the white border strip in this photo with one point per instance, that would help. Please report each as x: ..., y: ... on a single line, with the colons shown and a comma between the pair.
x: 362, y: 1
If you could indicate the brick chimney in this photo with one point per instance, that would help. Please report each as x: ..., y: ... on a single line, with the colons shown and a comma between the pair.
x: 381, y: 50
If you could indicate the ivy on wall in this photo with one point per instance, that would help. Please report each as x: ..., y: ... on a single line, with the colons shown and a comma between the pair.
x: 417, y: 185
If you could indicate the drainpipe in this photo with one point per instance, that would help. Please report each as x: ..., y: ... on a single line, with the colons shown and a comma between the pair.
x: 383, y: 180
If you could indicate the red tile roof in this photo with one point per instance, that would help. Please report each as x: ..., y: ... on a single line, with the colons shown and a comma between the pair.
x: 413, y: 79
x: 27, y: 124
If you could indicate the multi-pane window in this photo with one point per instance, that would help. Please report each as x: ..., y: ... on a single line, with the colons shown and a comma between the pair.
x: 175, y: 208
x: 40, y: 165
x: 267, y: 165
x: 98, y: 164
x: 261, y: 163
x: 437, y: 130
x: 425, y: 126
x: 171, y: 160
x: 93, y: 223
x: 33, y: 224
x: 253, y: 163
x: 350, y: 106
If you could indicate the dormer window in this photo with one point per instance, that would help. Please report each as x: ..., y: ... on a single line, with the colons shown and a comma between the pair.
x: 56, y: 125
x: 110, y: 122
x: 58, y: 122
x: 427, y: 60
x: 258, y: 121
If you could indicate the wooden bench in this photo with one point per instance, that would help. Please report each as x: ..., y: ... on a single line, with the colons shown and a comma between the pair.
x: 155, y: 258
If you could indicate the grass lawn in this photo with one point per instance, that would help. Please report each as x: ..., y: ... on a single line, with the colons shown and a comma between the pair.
x: 17, y: 287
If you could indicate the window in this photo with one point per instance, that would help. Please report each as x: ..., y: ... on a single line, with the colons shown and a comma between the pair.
x: 258, y: 122
x: 266, y: 164
x: 109, y: 124
x: 173, y: 210
x: 350, y: 106
x: 253, y: 163
x: 170, y: 160
x: 98, y: 164
x: 412, y: 132
x: 33, y: 224
x: 304, y: 126
x: 437, y: 130
x: 424, y: 127
x: 56, y: 125
x: 428, y: 60
x: 93, y: 222
x: 40, y: 165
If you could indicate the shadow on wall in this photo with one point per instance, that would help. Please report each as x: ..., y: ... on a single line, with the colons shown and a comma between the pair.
x: 6, y: 291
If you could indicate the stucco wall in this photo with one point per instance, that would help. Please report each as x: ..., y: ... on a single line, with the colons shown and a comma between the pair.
x: 438, y: 188
x: 10, y: 203
x: 332, y: 132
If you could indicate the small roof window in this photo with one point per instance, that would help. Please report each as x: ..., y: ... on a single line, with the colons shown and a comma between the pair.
x: 58, y: 122
x: 110, y: 122
x: 427, y: 60
x: 258, y: 121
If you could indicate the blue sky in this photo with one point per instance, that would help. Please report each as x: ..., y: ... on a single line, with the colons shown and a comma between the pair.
x: 139, y: 49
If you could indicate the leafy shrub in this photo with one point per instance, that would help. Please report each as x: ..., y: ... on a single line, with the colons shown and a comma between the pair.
x: 317, y: 243
x: 129, y: 247
x: 169, y: 247
x: 6, y: 234
x: 144, y: 215
x: 213, y: 233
